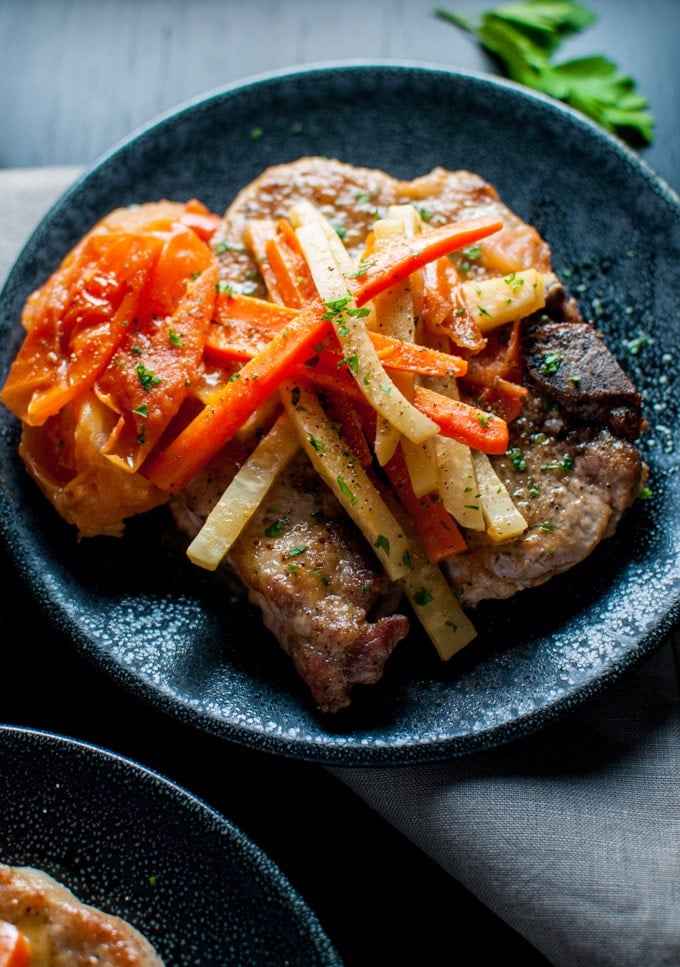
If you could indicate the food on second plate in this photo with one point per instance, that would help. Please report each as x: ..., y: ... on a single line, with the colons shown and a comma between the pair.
x: 351, y: 390
x: 43, y: 924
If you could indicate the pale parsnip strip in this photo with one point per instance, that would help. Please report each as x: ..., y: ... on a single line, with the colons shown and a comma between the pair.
x: 438, y: 610
x: 458, y: 484
x: 432, y: 598
x: 362, y: 360
x: 457, y: 479
x: 347, y: 479
x: 244, y: 495
x: 503, y: 519
x: 392, y: 314
x: 494, y: 302
x: 305, y: 213
x: 422, y: 466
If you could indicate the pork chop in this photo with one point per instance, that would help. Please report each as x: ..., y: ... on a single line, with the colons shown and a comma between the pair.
x: 64, y: 932
x: 572, y: 466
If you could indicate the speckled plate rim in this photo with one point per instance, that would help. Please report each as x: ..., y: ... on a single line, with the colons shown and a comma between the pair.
x: 230, y: 851
x: 313, y: 741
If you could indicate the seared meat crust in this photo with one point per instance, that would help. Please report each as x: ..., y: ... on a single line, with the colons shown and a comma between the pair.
x: 308, y: 568
x: 572, y: 467
x: 65, y: 932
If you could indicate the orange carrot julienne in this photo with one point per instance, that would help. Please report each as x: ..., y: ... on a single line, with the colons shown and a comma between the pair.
x: 235, y: 402
x: 397, y: 259
x: 245, y: 323
x: 456, y: 419
x: 469, y: 424
x: 437, y: 529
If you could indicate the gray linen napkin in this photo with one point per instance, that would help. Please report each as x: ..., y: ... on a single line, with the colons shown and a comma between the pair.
x: 571, y: 835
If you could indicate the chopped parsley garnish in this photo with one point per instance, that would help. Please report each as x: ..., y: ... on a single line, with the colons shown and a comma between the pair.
x: 141, y: 410
x: 146, y: 377
x: 344, y: 489
x: 174, y: 338
x: 422, y: 597
x: 563, y: 466
x: 517, y: 458
x: 315, y: 444
x: 551, y: 364
x: 635, y: 346
x: 382, y: 543
x: 296, y: 551
x: 276, y: 528
x: 352, y: 363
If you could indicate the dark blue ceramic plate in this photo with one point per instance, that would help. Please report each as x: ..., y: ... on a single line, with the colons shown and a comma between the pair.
x: 140, y: 612
x: 133, y: 844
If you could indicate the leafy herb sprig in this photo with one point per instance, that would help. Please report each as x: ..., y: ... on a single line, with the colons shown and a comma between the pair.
x: 526, y: 35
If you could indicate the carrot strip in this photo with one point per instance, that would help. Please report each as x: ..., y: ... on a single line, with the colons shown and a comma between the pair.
x: 74, y: 332
x: 246, y: 323
x: 477, y: 428
x: 235, y: 402
x: 398, y: 259
x: 146, y: 387
x: 444, y: 308
x: 344, y: 411
x: 282, y: 264
x: 456, y: 419
x: 414, y: 358
x: 495, y: 374
x: 436, y: 528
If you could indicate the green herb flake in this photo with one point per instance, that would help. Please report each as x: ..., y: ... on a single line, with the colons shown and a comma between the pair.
x: 296, y: 551
x: 141, y: 410
x: 277, y: 527
x: 382, y: 543
x: 351, y: 362
x: 344, y: 489
x: 562, y: 466
x: 551, y: 364
x: 516, y: 458
x: 422, y: 597
x: 636, y: 345
x: 514, y: 281
x: 174, y: 338
x: 315, y: 444
x: 146, y: 377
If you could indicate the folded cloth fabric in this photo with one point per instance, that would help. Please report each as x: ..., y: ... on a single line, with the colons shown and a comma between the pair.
x: 572, y: 835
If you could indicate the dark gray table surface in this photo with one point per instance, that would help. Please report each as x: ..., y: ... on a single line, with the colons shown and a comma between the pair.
x: 75, y: 77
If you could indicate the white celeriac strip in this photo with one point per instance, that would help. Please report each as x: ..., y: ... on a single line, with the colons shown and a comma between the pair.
x: 493, y: 302
x: 244, y: 495
x: 438, y: 610
x: 503, y: 519
x: 347, y: 479
x: 456, y: 481
x: 457, y: 484
x: 362, y: 360
x: 432, y: 598
x: 392, y: 314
